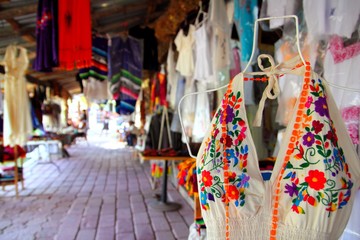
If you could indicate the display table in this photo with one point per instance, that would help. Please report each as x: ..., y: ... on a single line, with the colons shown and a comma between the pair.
x: 163, y: 205
x: 46, y: 144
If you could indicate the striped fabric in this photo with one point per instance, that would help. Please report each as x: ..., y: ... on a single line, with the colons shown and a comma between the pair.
x: 125, y: 70
x: 99, y: 66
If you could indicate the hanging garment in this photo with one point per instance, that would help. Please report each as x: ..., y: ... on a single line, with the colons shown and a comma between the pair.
x: 98, y: 69
x: 202, y: 114
x: 188, y: 109
x: 180, y: 92
x: 158, y: 91
x: 150, y: 61
x: 277, y: 8
x: 74, y: 34
x: 245, y: 14
x: 172, y: 77
x: 17, y: 118
x: 124, y: 72
x: 221, y: 31
x: 331, y: 17
x: 184, y: 45
x: 203, y: 64
x: 46, y: 36
x: 96, y: 90
x: 341, y: 68
x: 315, y: 178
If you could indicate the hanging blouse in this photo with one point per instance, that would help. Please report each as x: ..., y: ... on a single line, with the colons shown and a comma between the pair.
x: 315, y: 177
x: 184, y: 45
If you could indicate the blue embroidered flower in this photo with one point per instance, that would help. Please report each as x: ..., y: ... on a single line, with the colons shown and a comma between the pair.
x: 244, y: 181
x: 230, y: 155
x: 203, y: 198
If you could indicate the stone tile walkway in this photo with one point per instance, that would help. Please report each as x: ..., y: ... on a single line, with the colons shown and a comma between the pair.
x: 101, y: 193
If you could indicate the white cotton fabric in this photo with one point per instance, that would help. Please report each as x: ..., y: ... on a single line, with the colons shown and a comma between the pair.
x: 203, y: 64
x: 184, y: 45
x: 327, y: 17
x: 253, y: 219
x: 202, y: 114
x: 343, y: 74
x: 17, y: 118
x: 96, y: 90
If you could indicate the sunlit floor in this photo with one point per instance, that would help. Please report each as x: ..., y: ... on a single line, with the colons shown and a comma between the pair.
x: 101, y: 192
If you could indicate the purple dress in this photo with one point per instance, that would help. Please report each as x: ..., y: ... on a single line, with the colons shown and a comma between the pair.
x: 46, y: 36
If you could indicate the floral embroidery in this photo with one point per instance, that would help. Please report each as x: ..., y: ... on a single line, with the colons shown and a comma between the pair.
x: 318, y: 138
x: 316, y: 179
x: 206, y: 178
x: 308, y: 139
x: 212, y: 163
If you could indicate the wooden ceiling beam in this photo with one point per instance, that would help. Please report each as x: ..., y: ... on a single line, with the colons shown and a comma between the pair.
x: 8, y: 32
x: 119, y: 25
x: 18, y: 11
x: 125, y: 25
x: 17, y: 27
x: 75, y: 90
x: 57, y: 75
x: 117, y: 9
x: 65, y: 80
x: 70, y: 85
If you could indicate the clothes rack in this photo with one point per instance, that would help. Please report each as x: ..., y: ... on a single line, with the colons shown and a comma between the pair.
x: 164, y: 205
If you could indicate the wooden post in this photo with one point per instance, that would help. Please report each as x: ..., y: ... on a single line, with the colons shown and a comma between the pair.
x: 16, y: 171
x: 197, y: 208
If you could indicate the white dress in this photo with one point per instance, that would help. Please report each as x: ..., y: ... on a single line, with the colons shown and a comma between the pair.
x: 220, y: 25
x: 17, y: 118
x: 184, y: 45
x: 203, y: 64
x: 172, y: 77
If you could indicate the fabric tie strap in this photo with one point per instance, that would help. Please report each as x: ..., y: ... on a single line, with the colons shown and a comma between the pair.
x: 272, y: 90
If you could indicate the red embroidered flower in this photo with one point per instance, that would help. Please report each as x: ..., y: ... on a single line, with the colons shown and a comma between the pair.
x: 206, y: 178
x: 317, y: 125
x: 316, y: 179
x: 229, y: 141
x: 232, y: 192
x: 331, y: 135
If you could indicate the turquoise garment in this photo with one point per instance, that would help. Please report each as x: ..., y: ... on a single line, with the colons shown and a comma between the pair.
x: 245, y: 14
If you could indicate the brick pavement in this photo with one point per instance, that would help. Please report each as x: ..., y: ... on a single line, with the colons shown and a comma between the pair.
x: 101, y: 193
